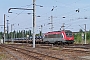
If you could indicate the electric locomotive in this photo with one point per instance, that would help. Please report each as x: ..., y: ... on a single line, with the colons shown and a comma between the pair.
x: 63, y: 36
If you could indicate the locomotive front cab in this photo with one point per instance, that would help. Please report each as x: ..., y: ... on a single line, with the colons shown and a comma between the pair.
x: 69, y: 37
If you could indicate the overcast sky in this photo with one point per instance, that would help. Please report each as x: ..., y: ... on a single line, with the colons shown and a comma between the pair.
x: 62, y: 8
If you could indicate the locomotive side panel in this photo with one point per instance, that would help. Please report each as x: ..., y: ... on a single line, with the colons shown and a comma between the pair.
x: 53, y: 40
x: 64, y: 36
x: 54, y: 37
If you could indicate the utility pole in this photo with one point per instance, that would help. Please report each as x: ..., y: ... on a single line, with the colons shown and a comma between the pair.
x: 12, y: 32
x: 41, y: 30
x: 4, y: 28
x: 85, y: 33
x: 51, y: 23
x: 52, y: 18
x: 33, y: 19
x: 33, y: 23
x: 7, y: 30
x: 63, y: 26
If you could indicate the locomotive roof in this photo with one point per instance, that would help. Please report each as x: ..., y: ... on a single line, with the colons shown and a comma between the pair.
x: 57, y: 32
x: 60, y: 31
x: 67, y: 31
x: 54, y: 32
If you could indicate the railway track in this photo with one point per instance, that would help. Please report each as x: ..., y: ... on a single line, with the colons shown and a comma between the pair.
x: 47, y: 46
x: 35, y: 55
x: 84, y: 46
x: 48, y: 52
x: 78, y: 48
x: 13, y: 56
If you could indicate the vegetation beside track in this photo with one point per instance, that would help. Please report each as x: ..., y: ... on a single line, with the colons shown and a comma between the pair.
x: 78, y: 37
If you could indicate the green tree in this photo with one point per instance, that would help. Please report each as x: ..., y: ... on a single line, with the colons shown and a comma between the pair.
x: 30, y: 32
x: 80, y: 30
x: 88, y: 35
x: 1, y: 35
x: 78, y: 37
x: 40, y: 33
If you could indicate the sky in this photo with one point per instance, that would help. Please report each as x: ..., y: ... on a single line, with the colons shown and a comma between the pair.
x: 73, y: 20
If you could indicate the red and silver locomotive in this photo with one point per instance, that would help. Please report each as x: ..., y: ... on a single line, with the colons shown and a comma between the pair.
x: 64, y: 36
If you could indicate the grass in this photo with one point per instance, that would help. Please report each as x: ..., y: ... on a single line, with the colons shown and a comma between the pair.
x: 22, y: 46
x: 2, y: 56
x: 56, y: 48
x: 81, y: 41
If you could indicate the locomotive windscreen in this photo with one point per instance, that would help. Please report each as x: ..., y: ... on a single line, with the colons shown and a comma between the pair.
x: 68, y: 33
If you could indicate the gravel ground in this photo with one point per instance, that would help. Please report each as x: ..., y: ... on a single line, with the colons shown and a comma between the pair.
x: 65, y: 55
x: 7, y: 54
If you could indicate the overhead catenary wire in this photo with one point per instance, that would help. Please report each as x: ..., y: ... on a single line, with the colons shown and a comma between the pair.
x: 69, y: 6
